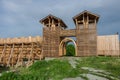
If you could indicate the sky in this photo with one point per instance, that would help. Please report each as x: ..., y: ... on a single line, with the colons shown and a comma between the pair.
x: 21, y: 17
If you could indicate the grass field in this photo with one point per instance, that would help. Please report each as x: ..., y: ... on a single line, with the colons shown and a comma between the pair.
x: 58, y: 69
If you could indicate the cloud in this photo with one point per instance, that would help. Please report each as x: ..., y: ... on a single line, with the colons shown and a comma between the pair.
x: 21, y: 17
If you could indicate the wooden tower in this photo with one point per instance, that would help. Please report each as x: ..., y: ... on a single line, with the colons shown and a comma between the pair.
x: 51, y: 35
x: 86, y: 33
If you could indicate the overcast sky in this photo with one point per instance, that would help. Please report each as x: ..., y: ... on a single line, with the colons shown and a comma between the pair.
x: 21, y: 17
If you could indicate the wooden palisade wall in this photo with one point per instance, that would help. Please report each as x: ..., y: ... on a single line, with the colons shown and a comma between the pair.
x: 108, y: 45
x: 13, y: 51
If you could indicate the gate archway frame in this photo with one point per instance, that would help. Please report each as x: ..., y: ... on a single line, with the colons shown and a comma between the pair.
x: 62, y: 49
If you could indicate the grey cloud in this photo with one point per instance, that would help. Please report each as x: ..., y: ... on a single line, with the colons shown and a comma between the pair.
x: 21, y: 17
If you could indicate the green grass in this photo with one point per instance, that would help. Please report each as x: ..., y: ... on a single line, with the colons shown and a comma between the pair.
x: 58, y: 69
x: 109, y: 64
x: 43, y: 70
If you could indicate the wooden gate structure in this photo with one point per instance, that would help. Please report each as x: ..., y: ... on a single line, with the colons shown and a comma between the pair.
x: 54, y: 31
x: 16, y: 51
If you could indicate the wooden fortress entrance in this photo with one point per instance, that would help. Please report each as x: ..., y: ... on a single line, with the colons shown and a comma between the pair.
x: 25, y: 50
x: 55, y: 33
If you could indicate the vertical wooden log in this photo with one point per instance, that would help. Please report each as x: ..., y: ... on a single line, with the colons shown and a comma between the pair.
x: 44, y: 25
x: 11, y: 53
x: 58, y: 23
x: 30, y: 39
x: 95, y: 24
x: 30, y: 52
x: 84, y: 25
x: 76, y: 22
x: 20, y: 55
x: 3, y: 52
x: 49, y: 22
x: 87, y: 21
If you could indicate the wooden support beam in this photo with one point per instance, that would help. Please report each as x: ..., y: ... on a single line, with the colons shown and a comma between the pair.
x: 87, y: 21
x: 31, y: 52
x: 29, y: 59
x: 36, y: 51
x: 76, y: 22
x: 3, y: 52
x: 11, y: 53
x: 95, y: 22
x: 59, y: 23
x: 49, y: 22
x: 19, y: 56
x: 44, y: 25
x: 83, y: 21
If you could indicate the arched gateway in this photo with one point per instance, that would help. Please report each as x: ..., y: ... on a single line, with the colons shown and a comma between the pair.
x: 55, y: 33
x: 62, y: 46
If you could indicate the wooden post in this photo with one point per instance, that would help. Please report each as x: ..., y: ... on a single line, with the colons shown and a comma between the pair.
x: 49, y: 22
x: 84, y: 25
x: 64, y: 48
x: 44, y: 25
x: 59, y: 23
x: 87, y: 21
x: 3, y: 52
x: 95, y: 22
x: 19, y: 56
x: 11, y: 53
x: 30, y: 52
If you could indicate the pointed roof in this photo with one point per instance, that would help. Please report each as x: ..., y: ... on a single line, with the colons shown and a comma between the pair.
x: 86, y: 12
x: 55, y: 18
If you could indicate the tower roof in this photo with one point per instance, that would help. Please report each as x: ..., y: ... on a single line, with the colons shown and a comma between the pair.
x: 55, y: 18
x: 85, y: 12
